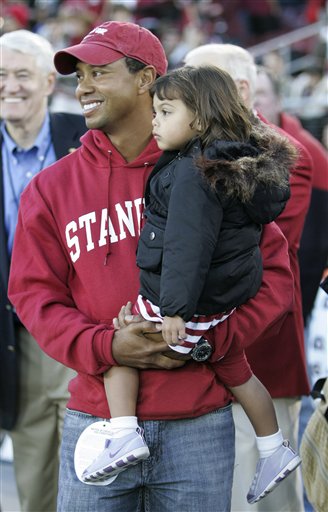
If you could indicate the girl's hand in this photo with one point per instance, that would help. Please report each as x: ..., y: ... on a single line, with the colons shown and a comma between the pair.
x: 173, y: 330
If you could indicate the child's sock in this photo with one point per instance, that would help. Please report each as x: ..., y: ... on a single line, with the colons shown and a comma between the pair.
x: 267, y: 445
x: 123, y: 425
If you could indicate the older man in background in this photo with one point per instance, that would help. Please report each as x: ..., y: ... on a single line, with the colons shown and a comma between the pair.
x: 33, y: 387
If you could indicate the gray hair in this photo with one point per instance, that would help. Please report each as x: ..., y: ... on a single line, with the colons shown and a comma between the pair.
x: 236, y: 61
x: 29, y: 43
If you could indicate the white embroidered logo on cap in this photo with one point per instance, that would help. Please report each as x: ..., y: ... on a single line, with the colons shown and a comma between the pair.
x: 97, y: 30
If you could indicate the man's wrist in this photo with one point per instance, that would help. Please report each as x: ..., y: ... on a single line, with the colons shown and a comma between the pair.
x: 109, y: 342
x: 202, y: 351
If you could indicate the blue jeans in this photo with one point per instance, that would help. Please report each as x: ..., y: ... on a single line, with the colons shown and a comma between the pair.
x: 190, y: 468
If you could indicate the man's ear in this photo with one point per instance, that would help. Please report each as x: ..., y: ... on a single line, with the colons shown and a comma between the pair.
x: 147, y: 77
x: 244, y: 91
x: 51, y: 82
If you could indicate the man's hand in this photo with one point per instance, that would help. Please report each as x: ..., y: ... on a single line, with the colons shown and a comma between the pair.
x: 139, y: 344
x: 125, y: 317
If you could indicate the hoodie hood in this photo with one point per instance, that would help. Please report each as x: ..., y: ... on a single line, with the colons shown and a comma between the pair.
x: 256, y: 173
x: 96, y: 147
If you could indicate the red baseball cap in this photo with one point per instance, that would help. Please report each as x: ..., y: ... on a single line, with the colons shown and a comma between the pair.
x: 111, y: 41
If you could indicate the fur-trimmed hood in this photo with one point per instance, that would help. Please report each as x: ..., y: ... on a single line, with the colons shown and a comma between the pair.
x: 257, y: 172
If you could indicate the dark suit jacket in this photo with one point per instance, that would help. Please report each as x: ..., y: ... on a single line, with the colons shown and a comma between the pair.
x: 66, y: 130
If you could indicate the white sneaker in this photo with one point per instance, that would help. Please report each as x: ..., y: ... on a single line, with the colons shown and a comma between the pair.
x: 119, y: 453
x: 272, y: 470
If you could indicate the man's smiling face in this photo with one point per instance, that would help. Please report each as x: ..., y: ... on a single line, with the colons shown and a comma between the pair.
x: 107, y: 94
x: 24, y: 87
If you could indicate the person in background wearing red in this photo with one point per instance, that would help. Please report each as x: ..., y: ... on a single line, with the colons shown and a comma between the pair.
x: 313, y: 251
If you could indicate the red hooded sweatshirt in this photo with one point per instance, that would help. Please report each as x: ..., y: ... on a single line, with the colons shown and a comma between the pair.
x: 313, y: 251
x: 279, y: 360
x: 73, y: 267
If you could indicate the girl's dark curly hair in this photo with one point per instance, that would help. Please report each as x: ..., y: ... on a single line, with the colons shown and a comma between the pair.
x: 212, y: 95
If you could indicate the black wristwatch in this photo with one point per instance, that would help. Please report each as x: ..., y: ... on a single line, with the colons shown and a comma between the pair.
x: 202, y: 351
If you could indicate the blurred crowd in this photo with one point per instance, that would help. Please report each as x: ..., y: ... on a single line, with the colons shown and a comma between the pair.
x: 185, y: 24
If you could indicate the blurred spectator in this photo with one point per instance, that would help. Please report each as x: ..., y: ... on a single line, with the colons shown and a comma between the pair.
x: 274, y: 61
x: 178, y: 42
x: 52, y: 29
x: 42, y: 11
x: 71, y: 22
x: 313, y: 251
x: 174, y: 45
x: 263, y: 18
x: 237, y: 22
x: 77, y: 18
x: 292, y: 13
x: 14, y: 16
x: 308, y: 99
x: 163, y: 11
x: 118, y: 12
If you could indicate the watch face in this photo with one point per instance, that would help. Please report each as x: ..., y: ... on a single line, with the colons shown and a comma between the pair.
x: 202, y: 352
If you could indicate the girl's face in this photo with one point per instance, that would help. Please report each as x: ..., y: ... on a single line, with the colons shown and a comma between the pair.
x: 172, y: 124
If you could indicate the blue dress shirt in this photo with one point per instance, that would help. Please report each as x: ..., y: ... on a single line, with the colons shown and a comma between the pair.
x: 19, y: 167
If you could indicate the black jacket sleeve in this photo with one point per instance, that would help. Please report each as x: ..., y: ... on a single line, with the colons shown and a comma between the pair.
x: 193, y: 224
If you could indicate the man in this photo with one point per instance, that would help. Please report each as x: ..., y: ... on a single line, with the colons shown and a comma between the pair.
x: 33, y: 387
x: 68, y: 289
x: 313, y: 251
x: 277, y: 359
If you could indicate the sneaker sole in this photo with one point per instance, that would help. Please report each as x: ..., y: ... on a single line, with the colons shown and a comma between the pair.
x: 118, y: 465
x: 291, y: 466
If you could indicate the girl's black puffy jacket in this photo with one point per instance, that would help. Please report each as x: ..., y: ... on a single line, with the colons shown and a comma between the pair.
x: 199, y: 249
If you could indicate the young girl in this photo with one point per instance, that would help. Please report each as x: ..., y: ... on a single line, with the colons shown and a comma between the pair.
x: 222, y: 175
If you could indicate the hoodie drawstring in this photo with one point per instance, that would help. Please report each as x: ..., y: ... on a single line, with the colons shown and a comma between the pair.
x: 146, y: 165
x: 108, y: 180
